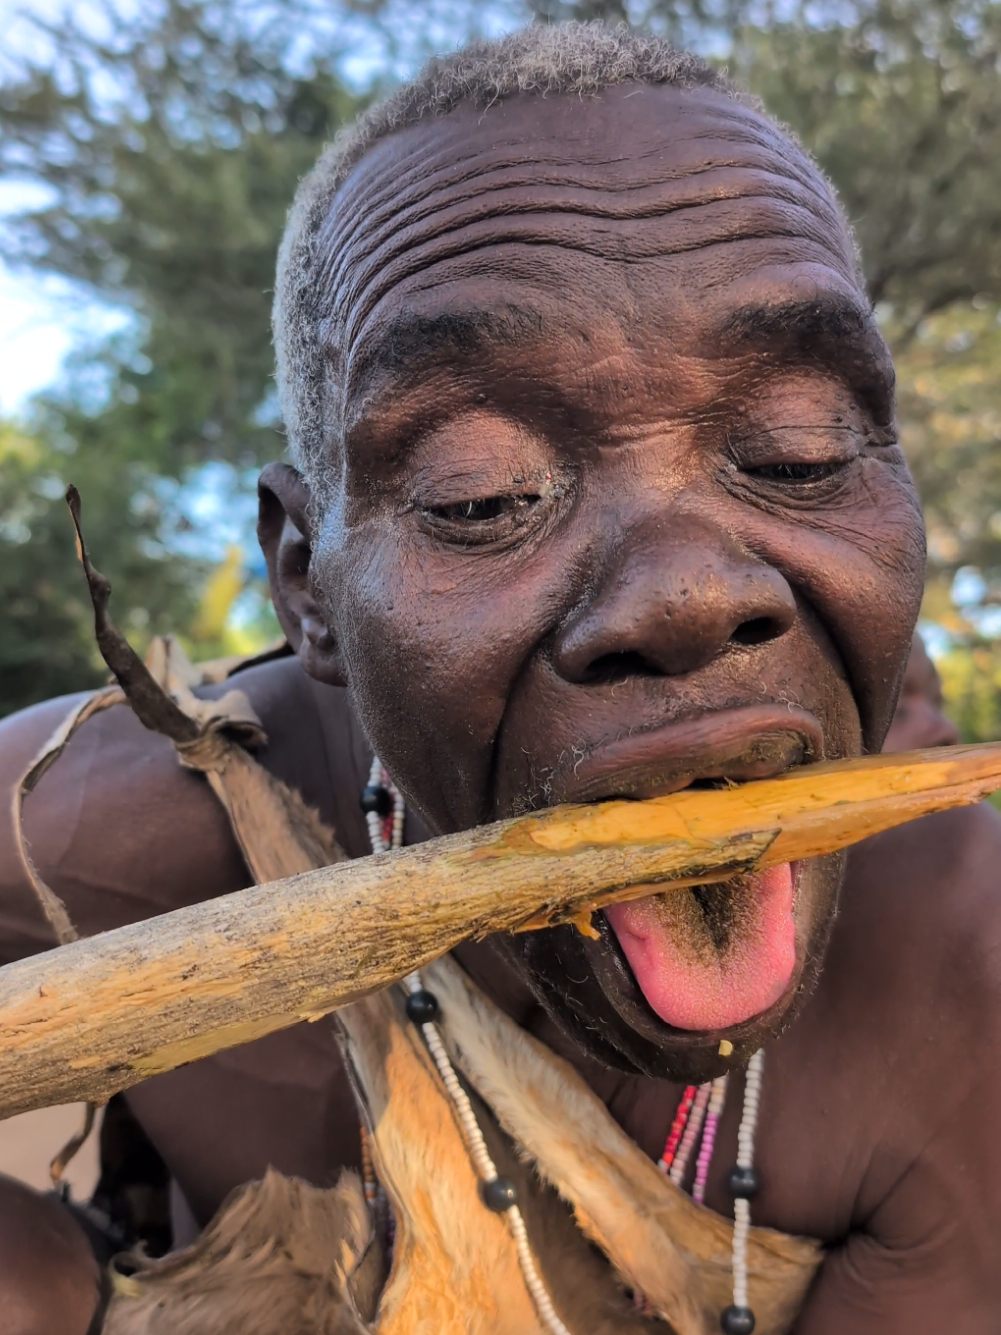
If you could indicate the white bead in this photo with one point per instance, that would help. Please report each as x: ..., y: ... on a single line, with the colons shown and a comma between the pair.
x: 745, y: 1159
x: 475, y: 1142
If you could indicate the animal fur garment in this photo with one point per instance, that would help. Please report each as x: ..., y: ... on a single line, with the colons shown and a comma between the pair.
x: 284, y: 1258
x: 455, y: 1266
x: 660, y: 1241
x: 281, y: 1258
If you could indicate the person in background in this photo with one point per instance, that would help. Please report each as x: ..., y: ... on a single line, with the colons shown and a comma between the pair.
x: 919, y: 720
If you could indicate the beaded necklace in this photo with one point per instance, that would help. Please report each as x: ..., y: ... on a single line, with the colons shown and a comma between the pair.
x: 695, y: 1123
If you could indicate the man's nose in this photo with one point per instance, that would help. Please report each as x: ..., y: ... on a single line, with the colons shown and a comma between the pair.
x: 669, y: 606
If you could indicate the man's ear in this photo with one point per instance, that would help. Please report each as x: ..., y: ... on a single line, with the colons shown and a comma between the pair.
x: 283, y: 530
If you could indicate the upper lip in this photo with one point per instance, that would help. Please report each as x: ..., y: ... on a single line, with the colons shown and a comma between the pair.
x: 748, y: 742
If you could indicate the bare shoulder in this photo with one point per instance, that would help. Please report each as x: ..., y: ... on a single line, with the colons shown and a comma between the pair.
x: 910, y: 994
x: 49, y: 1279
x: 121, y: 830
x: 918, y: 936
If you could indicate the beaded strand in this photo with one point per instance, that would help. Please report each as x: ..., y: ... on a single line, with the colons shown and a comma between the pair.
x: 738, y: 1319
x: 677, y: 1128
x: 697, y: 1116
x: 691, y: 1136
x: 384, y: 808
x: 370, y: 1182
x: 717, y: 1097
x: 499, y: 1193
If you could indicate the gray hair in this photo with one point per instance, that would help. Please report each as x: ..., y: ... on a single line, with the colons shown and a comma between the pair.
x: 568, y: 58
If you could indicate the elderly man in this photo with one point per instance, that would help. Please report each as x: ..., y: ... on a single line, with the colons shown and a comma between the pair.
x: 596, y: 492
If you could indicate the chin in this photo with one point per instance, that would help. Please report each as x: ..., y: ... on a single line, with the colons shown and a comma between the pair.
x: 592, y: 991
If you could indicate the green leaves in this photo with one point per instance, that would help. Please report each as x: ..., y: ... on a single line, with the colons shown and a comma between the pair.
x: 900, y: 101
x: 46, y: 632
x: 170, y: 150
x: 170, y: 146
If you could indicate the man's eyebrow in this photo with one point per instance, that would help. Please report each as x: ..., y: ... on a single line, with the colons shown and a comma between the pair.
x: 412, y: 344
x: 834, y: 331
x: 836, y: 316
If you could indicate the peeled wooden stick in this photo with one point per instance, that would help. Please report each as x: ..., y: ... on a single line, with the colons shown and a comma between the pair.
x: 99, y: 1015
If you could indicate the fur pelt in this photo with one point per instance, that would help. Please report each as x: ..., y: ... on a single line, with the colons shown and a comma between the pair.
x: 455, y: 1267
x: 659, y: 1240
x: 285, y: 1258
x: 281, y: 1258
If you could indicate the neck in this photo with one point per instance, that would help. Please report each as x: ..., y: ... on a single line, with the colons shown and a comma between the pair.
x: 642, y: 1106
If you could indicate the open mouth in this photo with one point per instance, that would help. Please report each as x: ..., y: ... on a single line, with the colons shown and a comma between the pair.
x: 713, y: 956
x: 727, y: 745
x: 708, y: 958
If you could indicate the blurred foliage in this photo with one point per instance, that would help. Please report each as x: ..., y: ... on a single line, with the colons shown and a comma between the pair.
x: 171, y: 151
x: 949, y: 388
x: 46, y: 629
x: 169, y: 148
x: 971, y: 686
x: 168, y: 151
x: 900, y: 101
x: 949, y: 396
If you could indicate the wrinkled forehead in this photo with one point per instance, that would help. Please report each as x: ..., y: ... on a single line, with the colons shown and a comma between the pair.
x: 661, y: 208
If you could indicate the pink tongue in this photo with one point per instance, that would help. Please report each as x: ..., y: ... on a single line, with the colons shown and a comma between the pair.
x: 693, y: 989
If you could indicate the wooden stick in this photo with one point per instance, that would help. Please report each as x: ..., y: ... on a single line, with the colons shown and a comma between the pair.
x: 100, y: 1015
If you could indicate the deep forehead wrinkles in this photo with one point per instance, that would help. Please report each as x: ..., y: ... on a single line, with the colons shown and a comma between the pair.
x: 409, y: 182
x: 597, y: 178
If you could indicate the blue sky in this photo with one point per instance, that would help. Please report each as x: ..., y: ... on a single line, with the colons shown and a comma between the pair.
x: 41, y: 320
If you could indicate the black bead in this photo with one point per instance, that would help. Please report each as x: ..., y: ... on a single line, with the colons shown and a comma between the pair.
x: 376, y: 799
x: 422, y: 1007
x: 737, y: 1321
x: 742, y: 1183
x: 500, y: 1194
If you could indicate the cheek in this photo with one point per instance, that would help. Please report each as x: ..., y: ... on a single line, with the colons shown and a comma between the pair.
x: 862, y: 570
x: 432, y: 643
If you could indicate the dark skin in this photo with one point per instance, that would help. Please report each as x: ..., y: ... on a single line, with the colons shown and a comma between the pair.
x: 49, y: 1278
x: 726, y: 536
x: 554, y: 479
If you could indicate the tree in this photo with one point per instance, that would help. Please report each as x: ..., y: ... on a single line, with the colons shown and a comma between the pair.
x: 171, y: 146
x: 170, y: 149
x: 900, y: 101
x: 168, y: 194
x: 47, y: 640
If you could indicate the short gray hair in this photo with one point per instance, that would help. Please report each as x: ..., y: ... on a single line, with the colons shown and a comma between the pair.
x: 567, y: 58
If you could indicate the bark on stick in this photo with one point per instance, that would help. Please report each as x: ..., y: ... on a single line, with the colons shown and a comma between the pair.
x: 90, y: 1018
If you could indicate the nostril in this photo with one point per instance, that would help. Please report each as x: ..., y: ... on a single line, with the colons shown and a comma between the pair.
x: 757, y: 631
x: 618, y: 667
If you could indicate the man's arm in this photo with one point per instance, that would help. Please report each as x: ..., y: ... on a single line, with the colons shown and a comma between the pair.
x: 49, y: 1279
x: 121, y: 831
x: 117, y: 828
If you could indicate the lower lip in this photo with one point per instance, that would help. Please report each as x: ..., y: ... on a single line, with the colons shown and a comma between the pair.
x: 694, y: 984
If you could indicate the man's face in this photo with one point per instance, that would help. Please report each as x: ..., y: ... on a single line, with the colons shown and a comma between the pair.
x: 620, y: 508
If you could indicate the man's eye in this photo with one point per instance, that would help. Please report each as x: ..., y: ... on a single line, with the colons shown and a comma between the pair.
x: 481, y: 511
x: 795, y: 472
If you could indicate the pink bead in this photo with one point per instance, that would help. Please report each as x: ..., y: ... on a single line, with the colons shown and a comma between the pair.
x: 691, y: 1135
x: 705, y: 1158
